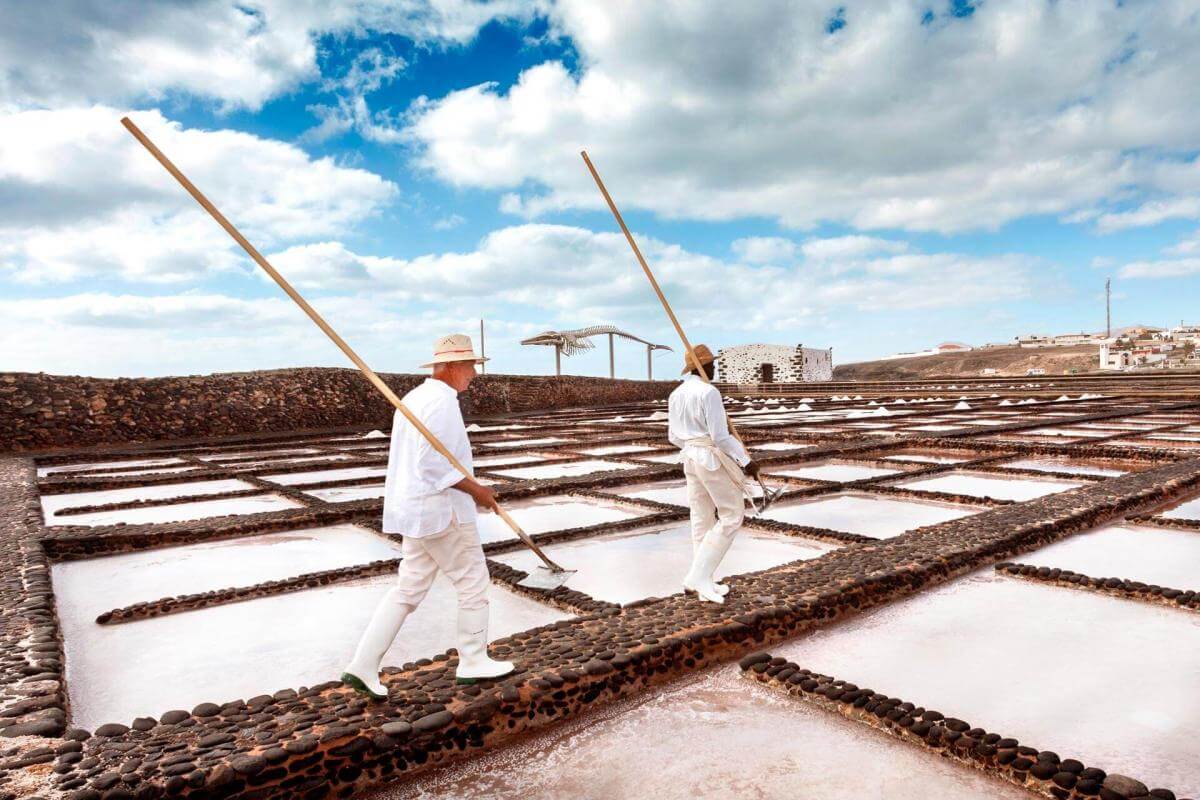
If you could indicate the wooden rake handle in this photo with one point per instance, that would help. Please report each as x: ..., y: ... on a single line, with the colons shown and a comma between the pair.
x: 654, y: 283
x: 370, y: 375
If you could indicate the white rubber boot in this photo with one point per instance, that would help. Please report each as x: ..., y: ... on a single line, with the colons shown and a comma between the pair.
x: 362, y: 674
x: 473, y: 661
x: 722, y: 589
x: 700, y: 577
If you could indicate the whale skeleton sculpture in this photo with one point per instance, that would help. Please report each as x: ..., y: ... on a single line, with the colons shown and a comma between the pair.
x: 569, y: 343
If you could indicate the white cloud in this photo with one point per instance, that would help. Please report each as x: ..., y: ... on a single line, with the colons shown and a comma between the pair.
x: 1169, y: 268
x: 763, y: 249
x: 850, y: 247
x: 1150, y: 213
x: 720, y: 111
x: 584, y: 277
x: 1186, y: 247
x: 238, y: 54
x: 79, y: 196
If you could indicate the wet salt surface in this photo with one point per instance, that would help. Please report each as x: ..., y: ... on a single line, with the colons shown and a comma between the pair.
x: 674, y: 492
x: 526, y: 442
x: 346, y: 494
x: 712, y: 737
x: 1150, y: 555
x: 308, y: 452
x: 867, y: 515
x: 53, y: 503
x: 1049, y: 464
x: 569, y: 470
x: 1188, y: 510
x: 177, y: 512
x: 499, y: 461
x: 293, y: 478
x: 624, y: 567
x: 129, y: 578
x: 1107, y: 681
x: 616, y: 449
x: 778, y: 446
x: 997, y: 488
x: 92, y: 465
x: 835, y: 472
x: 550, y: 514
x: 144, y: 668
x: 926, y: 458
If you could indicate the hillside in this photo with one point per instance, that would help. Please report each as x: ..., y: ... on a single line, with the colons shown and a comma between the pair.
x: 1012, y: 361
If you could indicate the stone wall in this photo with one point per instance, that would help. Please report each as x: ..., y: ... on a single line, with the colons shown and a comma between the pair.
x: 39, y: 411
x: 743, y: 364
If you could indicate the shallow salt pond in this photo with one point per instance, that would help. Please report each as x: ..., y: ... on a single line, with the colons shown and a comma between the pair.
x: 1188, y: 510
x: 551, y: 514
x: 294, y: 478
x: 616, y: 449
x: 1107, y: 681
x: 128, y: 578
x: 674, y: 492
x: 624, y: 567
x: 94, y: 465
x: 346, y: 494
x: 526, y: 442
x: 984, y: 486
x: 713, y: 737
x: 835, y: 472
x: 53, y: 503
x: 1049, y: 464
x: 568, y: 470
x: 1150, y: 555
x: 118, y: 672
x: 178, y: 512
x: 929, y: 459
x: 867, y: 515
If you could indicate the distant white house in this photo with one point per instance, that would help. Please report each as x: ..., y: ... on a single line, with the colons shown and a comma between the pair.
x: 774, y: 363
x: 1034, y: 340
x: 1114, y: 359
x: 1036, y: 371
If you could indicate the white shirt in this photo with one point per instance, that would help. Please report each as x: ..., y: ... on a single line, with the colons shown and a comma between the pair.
x: 694, y: 410
x: 417, y: 498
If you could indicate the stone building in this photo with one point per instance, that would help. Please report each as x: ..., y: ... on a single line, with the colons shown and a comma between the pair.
x: 774, y: 363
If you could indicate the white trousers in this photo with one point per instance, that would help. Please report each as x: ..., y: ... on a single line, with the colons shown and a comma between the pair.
x: 715, y: 502
x: 455, y: 551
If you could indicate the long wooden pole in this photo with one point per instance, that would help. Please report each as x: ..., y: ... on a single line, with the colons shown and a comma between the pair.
x: 654, y: 283
x: 370, y: 375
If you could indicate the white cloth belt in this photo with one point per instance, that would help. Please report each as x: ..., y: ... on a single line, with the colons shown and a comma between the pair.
x: 704, y: 454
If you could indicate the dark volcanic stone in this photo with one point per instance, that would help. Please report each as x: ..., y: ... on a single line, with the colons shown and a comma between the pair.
x: 112, y: 729
x: 432, y: 722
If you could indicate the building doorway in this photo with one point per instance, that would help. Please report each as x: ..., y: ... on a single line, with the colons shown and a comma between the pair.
x: 766, y: 373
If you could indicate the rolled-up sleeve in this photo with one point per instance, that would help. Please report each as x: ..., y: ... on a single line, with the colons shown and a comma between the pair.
x: 718, y: 429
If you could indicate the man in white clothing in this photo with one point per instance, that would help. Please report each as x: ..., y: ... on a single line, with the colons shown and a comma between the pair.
x: 713, y: 463
x: 433, y: 506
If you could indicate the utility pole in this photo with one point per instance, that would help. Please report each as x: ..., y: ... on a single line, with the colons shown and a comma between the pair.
x: 612, y: 370
x: 649, y: 364
x: 482, y: 349
x: 1108, y: 308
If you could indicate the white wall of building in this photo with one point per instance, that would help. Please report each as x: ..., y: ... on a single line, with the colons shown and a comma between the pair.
x: 799, y: 364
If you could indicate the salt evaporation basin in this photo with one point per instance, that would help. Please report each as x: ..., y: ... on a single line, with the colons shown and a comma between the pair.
x: 929, y: 459
x: 179, y: 512
x: 835, y: 472
x: 665, y: 458
x: 550, y: 514
x: 1188, y: 510
x: 346, y: 494
x: 1150, y: 555
x: 624, y: 567
x: 53, y: 503
x: 526, y: 442
x: 1107, y: 681
x: 128, y: 578
x: 711, y: 736
x: 1051, y: 464
x: 935, y: 428
x: 94, y: 465
x: 118, y: 672
x: 867, y: 515
x: 997, y: 488
x: 307, y: 452
x: 674, y: 492
x: 569, y: 470
x: 294, y: 478
x: 777, y: 446
x: 616, y: 449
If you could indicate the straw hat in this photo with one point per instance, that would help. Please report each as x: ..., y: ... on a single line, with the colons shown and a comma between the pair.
x: 702, y: 353
x: 455, y: 347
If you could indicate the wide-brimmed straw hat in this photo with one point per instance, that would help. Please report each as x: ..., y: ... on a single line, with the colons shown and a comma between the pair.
x: 455, y: 347
x: 702, y: 353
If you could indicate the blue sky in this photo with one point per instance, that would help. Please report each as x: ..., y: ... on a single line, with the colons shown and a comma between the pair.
x: 874, y: 177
